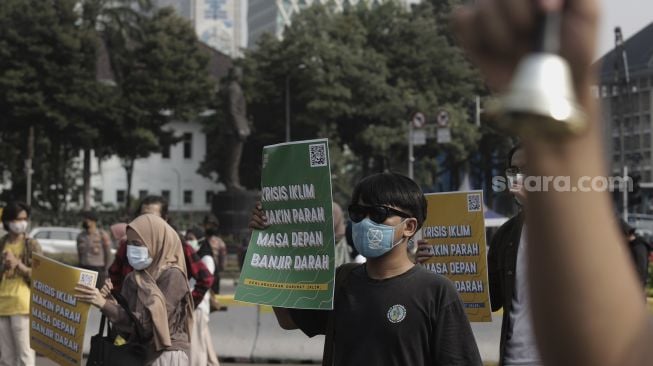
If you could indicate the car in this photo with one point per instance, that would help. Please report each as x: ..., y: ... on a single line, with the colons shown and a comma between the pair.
x: 56, y: 240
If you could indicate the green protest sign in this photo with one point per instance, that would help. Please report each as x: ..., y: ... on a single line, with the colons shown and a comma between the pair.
x: 290, y: 264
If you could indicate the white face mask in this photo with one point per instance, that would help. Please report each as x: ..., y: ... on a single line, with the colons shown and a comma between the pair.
x: 195, y: 244
x: 18, y: 227
x: 138, y: 257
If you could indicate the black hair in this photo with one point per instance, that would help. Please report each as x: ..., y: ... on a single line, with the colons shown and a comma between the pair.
x: 89, y: 215
x: 11, y: 211
x: 154, y: 200
x: 511, y: 153
x: 392, y: 189
x: 211, y: 220
x: 197, y: 232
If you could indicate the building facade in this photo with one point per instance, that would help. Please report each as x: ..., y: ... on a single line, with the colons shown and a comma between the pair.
x: 271, y: 16
x: 221, y: 24
x: 171, y: 173
x: 626, y: 98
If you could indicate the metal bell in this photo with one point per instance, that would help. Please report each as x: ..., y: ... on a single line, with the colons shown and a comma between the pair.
x: 541, y: 96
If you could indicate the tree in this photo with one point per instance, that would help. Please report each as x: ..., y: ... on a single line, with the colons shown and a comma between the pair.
x: 356, y: 77
x: 161, y: 76
x: 48, y: 84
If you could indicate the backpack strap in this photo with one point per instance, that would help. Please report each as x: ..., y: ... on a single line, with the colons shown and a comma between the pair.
x: 342, y: 275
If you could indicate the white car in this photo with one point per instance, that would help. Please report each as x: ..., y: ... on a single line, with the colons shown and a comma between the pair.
x: 56, y: 240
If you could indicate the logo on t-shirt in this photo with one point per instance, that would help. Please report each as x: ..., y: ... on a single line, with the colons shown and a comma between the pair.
x: 397, y: 313
x: 374, y: 236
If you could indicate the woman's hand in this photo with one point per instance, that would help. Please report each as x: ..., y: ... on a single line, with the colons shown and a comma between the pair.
x: 90, y: 295
x: 11, y: 262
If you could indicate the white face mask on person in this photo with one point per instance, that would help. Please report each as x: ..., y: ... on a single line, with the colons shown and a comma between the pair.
x: 195, y: 244
x: 138, y: 257
x: 18, y: 227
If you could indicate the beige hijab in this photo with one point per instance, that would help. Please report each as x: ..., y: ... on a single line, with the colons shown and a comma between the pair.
x: 165, y: 249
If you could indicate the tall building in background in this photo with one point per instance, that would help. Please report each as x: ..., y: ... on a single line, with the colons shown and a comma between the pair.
x: 221, y: 24
x: 626, y: 99
x: 271, y: 16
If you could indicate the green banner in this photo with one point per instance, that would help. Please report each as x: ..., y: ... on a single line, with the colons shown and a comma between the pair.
x: 290, y: 264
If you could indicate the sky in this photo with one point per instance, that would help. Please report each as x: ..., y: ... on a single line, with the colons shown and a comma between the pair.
x: 630, y: 15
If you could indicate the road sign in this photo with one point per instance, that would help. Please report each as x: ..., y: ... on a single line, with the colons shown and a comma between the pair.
x: 419, y: 120
x: 444, y: 135
x: 443, y: 118
x: 419, y: 137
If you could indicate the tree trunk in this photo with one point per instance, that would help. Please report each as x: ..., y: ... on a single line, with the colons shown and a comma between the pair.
x: 128, y: 164
x: 87, y: 180
x: 28, y: 165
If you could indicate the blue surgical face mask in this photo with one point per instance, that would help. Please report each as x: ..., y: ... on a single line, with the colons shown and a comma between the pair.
x: 138, y: 257
x: 373, y: 240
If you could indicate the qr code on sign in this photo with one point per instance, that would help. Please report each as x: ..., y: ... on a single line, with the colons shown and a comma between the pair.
x: 474, y: 202
x: 87, y: 279
x: 318, y: 155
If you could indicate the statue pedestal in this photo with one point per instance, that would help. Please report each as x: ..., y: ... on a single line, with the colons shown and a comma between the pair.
x: 234, y: 208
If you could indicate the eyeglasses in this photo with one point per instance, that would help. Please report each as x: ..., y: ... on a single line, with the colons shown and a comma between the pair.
x: 513, y: 171
x: 376, y: 213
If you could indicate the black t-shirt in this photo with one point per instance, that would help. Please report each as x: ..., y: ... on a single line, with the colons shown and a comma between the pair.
x: 416, y: 318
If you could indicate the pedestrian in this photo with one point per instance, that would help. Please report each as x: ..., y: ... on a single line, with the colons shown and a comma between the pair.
x: 508, y: 273
x: 15, y: 275
x: 156, y: 292
x: 118, y: 233
x: 120, y: 267
x: 202, y: 351
x: 94, y: 247
x: 639, y: 250
x: 388, y: 311
x: 193, y: 237
x: 586, y: 300
x: 213, y: 245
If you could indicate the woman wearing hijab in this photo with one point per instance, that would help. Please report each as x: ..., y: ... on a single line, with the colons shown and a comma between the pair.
x: 157, y: 292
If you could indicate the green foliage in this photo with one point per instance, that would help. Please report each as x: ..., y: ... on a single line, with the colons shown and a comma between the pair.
x: 48, y: 56
x: 357, y: 77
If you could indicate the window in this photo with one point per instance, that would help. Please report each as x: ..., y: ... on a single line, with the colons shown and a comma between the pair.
x: 647, y: 140
x: 142, y: 193
x: 595, y: 91
x: 188, y: 145
x: 98, y: 195
x: 165, y: 151
x: 646, y: 100
x: 166, y: 194
x: 59, y: 235
x: 188, y: 197
x: 120, y: 196
x: 647, y: 176
x: 209, y: 197
x: 42, y: 235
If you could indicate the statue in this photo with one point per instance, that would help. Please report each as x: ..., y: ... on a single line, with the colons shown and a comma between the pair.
x: 236, y: 132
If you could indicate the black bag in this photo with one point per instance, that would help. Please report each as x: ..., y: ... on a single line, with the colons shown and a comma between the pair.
x: 103, y: 352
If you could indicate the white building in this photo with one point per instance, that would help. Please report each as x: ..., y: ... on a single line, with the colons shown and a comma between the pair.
x: 171, y: 174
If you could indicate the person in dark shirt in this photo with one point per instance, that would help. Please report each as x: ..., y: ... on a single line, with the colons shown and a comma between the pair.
x: 389, y: 311
x: 639, y: 250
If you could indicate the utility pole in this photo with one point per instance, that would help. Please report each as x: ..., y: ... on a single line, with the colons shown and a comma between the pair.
x: 622, y: 83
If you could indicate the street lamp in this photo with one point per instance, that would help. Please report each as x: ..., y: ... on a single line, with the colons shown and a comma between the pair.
x: 299, y: 67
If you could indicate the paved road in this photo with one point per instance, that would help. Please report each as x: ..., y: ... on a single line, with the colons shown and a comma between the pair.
x: 244, y: 333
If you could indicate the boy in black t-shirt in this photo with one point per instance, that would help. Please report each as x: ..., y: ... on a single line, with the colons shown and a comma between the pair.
x: 389, y: 311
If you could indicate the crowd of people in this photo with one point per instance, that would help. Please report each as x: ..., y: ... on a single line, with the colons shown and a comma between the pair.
x: 560, y: 269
